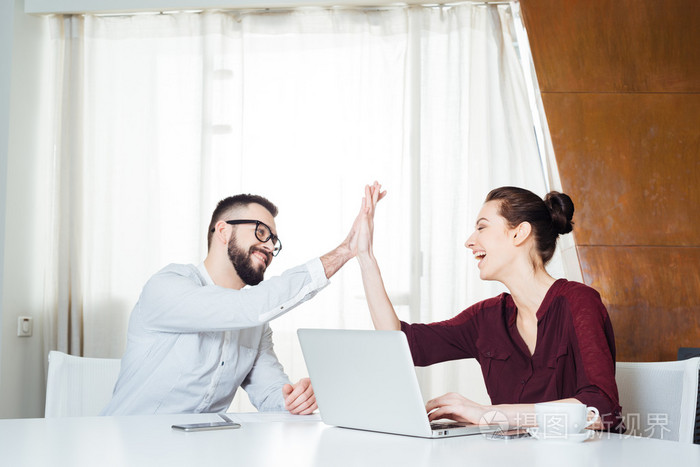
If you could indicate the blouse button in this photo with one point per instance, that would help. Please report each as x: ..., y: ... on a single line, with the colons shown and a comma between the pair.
x: 488, y: 354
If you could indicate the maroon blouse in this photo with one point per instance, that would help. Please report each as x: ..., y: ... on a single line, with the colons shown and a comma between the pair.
x: 574, y: 355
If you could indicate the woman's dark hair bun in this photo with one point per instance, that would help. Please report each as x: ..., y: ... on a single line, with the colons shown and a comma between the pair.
x: 561, y: 209
x: 549, y: 218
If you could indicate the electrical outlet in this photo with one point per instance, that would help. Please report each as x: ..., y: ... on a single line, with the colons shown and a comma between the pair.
x: 24, y: 326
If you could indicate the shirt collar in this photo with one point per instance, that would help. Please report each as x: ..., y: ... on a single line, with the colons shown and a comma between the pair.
x: 205, y: 274
x: 544, y: 306
x: 549, y: 297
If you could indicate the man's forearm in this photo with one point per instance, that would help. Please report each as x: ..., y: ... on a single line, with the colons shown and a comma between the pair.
x: 334, y: 260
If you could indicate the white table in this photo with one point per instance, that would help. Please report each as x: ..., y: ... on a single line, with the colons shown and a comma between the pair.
x: 283, y: 440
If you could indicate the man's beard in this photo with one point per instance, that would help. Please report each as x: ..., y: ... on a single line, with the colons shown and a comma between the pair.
x: 242, y: 262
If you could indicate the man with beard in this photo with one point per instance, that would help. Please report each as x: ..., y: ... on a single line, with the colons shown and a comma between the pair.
x: 196, y: 334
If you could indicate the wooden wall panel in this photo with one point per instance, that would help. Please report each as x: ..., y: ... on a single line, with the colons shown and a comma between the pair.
x: 631, y: 163
x: 652, y: 297
x: 620, y: 83
x: 615, y: 45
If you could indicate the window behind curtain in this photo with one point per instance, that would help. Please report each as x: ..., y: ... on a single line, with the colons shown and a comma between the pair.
x: 160, y: 116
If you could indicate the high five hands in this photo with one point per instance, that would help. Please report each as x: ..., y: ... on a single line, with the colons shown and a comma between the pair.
x: 362, y: 226
x: 365, y: 225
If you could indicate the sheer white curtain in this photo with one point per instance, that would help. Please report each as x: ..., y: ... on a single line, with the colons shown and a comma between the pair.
x: 157, y: 117
x: 477, y: 133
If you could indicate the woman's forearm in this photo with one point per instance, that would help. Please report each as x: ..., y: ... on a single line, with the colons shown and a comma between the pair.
x: 380, y: 307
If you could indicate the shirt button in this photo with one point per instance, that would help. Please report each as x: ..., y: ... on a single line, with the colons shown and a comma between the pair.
x: 488, y: 354
x: 522, y: 381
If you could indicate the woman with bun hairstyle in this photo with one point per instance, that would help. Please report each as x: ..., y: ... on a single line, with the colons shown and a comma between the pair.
x: 547, y: 340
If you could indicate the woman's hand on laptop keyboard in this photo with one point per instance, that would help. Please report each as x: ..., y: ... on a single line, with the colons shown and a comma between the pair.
x: 456, y: 407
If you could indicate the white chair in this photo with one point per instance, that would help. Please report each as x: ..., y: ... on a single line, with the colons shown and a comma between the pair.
x: 79, y: 386
x: 659, y: 399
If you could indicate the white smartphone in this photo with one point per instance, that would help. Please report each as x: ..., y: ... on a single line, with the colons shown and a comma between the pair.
x: 509, y: 434
x: 207, y: 426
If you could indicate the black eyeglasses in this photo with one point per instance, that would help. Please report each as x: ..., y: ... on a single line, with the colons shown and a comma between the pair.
x: 263, y: 233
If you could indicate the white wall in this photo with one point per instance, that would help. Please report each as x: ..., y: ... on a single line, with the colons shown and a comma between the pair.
x: 22, y: 385
x: 6, y: 21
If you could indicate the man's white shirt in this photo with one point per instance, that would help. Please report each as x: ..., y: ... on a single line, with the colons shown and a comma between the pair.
x: 191, y: 343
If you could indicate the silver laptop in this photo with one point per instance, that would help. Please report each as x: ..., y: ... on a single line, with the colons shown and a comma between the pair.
x: 366, y: 380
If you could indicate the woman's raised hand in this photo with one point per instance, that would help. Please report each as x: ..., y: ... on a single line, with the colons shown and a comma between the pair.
x: 380, y: 307
x: 373, y: 194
